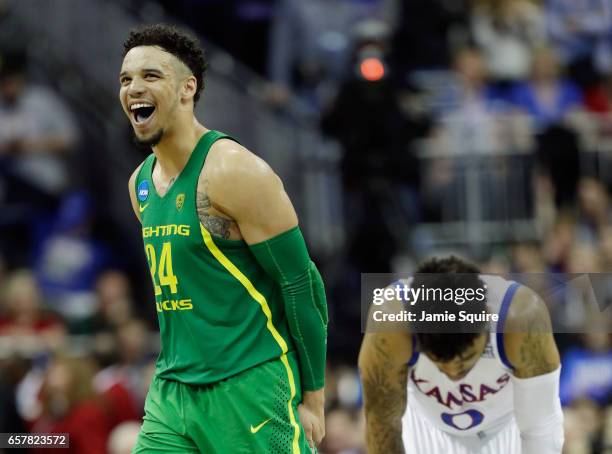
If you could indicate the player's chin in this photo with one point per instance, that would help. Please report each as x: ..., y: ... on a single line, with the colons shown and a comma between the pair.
x: 149, y: 139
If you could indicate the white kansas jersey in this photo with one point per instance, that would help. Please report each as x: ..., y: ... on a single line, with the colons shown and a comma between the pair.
x: 481, y: 402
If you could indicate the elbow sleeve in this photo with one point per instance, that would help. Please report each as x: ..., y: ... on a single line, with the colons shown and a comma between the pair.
x: 285, y: 258
x: 538, y: 413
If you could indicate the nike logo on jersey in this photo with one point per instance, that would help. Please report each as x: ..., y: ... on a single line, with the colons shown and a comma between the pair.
x: 255, y: 429
x: 143, y: 207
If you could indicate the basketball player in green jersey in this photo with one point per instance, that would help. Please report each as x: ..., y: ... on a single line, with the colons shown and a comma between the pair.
x: 241, y: 307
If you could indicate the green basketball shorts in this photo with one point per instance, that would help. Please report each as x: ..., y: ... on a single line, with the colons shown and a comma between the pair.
x: 252, y: 412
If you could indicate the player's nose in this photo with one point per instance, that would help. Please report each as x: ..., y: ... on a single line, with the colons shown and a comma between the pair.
x: 136, y: 88
x: 453, y: 370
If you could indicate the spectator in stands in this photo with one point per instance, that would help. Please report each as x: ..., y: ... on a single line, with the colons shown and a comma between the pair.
x: 25, y: 319
x: 547, y: 98
x: 587, y: 368
x: 134, y: 356
x: 471, y: 110
x: 496, y: 264
x: 377, y: 139
x: 507, y: 31
x: 37, y: 130
x: 529, y: 262
x: 112, y: 286
x: 114, y: 308
x: 583, y: 297
x: 70, y: 405
x: 343, y: 432
x: 69, y: 260
x: 598, y: 100
x: 471, y: 120
x: 378, y: 166
x: 595, y: 214
x: 310, y: 47
x: 584, y: 258
x: 581, y: 31
x: 114, y: 300
x: 583, y: 423
x: 558, y: 243
x: 606, y: 247
x: 527, y: 258
x: 554, y: 106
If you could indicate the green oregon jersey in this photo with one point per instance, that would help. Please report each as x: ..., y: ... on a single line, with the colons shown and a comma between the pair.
x: 219, y: 312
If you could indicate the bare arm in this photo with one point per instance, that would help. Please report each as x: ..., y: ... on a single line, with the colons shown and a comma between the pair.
x: 243, y: 187
x: 132, y: 191
x: 383, y: 365
x: 531, y: 349
x: 528, y: 338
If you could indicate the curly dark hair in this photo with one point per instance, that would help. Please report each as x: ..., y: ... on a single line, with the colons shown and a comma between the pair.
x: 180, y: 43
x: 445, y: 340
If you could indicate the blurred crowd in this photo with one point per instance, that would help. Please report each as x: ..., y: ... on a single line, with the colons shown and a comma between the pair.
x: 62, y: 372
x: 425, y: 97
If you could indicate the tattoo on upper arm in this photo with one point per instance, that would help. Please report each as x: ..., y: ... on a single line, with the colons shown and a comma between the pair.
x: 216, y: 225
x: 534, y: 349
x: 385, y: 390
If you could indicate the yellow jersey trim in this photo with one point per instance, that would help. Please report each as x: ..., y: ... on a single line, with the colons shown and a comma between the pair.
x: 263, y: 303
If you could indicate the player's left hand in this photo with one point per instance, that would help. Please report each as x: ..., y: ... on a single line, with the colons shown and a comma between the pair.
x: 312, y: 416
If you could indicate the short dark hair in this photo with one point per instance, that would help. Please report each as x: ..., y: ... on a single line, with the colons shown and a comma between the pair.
x: 444, y: 341
x: 180, y: 43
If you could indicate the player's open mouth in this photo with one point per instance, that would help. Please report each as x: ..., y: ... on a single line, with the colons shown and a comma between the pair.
x: 142, y: 112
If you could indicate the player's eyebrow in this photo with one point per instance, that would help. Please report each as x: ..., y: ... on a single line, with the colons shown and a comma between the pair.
x: 145, y: 70
x: 152, y: 70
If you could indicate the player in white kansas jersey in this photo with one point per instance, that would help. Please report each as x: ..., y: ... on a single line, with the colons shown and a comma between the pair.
x: 489, y: 385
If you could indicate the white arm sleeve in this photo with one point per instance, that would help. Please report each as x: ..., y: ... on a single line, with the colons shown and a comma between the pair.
x: 538, y: 413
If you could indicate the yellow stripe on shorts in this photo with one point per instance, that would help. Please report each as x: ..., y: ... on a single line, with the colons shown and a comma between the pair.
x: 234, y: 271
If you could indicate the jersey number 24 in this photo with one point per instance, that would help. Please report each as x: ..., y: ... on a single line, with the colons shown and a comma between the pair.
x: 164, y: 274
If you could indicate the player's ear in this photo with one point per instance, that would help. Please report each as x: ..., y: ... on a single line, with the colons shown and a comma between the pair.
x: 189, y: 87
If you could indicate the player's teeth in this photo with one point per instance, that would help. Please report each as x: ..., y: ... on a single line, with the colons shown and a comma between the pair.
x: 139, y: 105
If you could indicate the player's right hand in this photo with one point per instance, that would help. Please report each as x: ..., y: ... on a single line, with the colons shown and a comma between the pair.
x: 312, y: 416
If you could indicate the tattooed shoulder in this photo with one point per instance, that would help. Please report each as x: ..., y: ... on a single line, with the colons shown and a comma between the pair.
x: 216, y: 225
x: 529, y: 338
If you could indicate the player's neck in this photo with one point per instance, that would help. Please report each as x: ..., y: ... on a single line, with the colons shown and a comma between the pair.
x: 175, y: 148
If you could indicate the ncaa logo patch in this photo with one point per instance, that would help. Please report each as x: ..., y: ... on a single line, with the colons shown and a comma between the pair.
x: 180, y: 200
x: 143, y: 191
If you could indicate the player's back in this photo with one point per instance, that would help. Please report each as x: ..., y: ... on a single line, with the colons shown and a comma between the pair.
x: 482, y: 400
x: 219, y: 312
